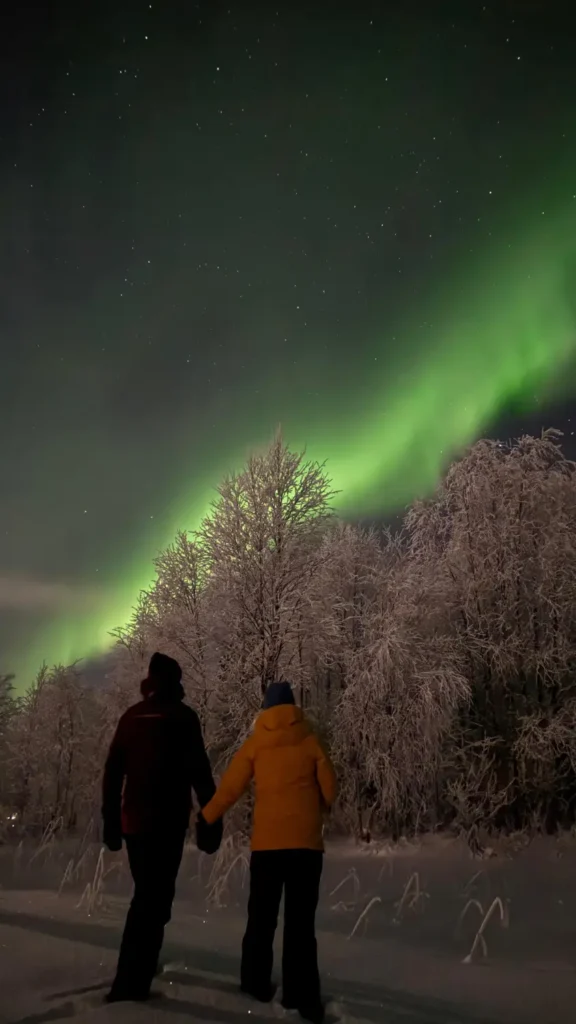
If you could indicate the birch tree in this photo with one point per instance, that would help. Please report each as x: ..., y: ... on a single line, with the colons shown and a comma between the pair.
x: 263, y: 542
x: 172, y: 616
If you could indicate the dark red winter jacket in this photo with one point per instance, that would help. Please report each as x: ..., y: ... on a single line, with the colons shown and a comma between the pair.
x: 156, y: 759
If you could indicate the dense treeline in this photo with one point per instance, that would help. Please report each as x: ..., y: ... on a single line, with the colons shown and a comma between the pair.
x: 438, y: 663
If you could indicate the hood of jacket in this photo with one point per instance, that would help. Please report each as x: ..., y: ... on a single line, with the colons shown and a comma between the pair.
x: 281, y: 726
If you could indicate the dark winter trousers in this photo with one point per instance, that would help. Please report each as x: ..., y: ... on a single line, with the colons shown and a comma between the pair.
x: 154, y: 863
x: 297, y: 873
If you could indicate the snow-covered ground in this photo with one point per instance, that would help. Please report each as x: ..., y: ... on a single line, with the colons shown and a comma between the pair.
x: 403, y: 964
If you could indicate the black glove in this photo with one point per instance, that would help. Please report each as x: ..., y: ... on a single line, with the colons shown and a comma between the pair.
x: 112, y: 837
x: 208, y: 837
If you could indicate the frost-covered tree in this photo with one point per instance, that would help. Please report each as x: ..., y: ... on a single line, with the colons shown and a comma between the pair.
x: 233, y: 602
x: 263, y: 543
x: 7, y: 709
x: 401, y: 686
x: 172, y: 616
x: 343, y: 589
x: 500, y: 537
x: 438, y: 664
x: 54, y: 750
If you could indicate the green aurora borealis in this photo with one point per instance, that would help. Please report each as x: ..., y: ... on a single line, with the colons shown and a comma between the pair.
x: 500, y: 334
x: 219, y: 219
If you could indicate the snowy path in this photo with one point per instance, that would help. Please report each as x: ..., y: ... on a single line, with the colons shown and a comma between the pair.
x: 56, y: 964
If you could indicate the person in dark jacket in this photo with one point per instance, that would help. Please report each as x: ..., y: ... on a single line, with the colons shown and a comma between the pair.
x: 156, y: 759
x: 294, y: 784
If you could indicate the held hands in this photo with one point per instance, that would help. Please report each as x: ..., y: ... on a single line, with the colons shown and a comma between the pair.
x: 208, y: 837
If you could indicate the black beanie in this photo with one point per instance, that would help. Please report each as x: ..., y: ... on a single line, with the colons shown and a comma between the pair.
x: 277, y: 694
x: 164, y: 678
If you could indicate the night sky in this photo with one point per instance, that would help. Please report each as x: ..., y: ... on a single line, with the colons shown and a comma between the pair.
x: 354, y: 220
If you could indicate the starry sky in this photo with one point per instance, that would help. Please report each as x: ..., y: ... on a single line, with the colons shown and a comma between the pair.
x: 354, y: 220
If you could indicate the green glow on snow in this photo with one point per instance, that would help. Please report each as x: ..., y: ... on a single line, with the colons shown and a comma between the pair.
x: 498, y: 334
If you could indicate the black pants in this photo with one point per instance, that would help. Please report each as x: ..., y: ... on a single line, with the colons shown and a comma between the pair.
x: 154, y: 864
x: 298, y: 873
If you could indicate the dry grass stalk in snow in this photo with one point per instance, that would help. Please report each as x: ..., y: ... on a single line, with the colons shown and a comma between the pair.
x: 481, y: 911
x: 364, y: 915
x: 74, y: 869
x: 48, y: 839
x: 18, y: 854
x: 412, y: 897
x: 80, y: 863
x: 479, y: 939
x: 232, y: 854
x: 68, y: 876
x: 470, y: 886
x: 93, y: 896
x: 344, y: 907
x: 387, y: 867
x: 351, y: 876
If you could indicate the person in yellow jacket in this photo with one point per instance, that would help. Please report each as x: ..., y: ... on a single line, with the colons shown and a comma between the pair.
x: 294, y: 785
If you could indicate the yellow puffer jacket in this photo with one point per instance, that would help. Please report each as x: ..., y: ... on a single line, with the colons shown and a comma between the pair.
x: 293, y: 778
